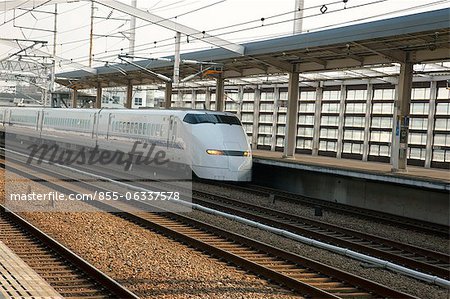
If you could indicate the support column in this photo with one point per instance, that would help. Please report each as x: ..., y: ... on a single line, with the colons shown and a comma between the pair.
x: 257, y: 99
x: 98, y: 98
x: 292, y: 116
x: 276, y: 102
x: 430, y: 125
x: 193, y: 98
x: 241, y: 101
x: 340, y: 139
x: 74, y: 98
x: 168, y: 95
x: 208, y: 98
x: 317, y: 119
x: 129, y: 97
x: 400, y: 146
x: 366, y: 143
x: 220, y: 94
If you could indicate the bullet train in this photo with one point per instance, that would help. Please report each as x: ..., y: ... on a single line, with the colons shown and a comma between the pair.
x: 214, y: 144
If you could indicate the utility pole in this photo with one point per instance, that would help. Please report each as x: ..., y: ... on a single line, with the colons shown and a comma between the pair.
x: 298, y: 16
x: 53, y: 71
x: 132, y: 30
x: 176, y: 66
x: 91, y: 37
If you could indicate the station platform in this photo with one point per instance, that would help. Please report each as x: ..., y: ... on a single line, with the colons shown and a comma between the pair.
x: 438, y: 179
x: 418, y: 193
x: 18, y: 280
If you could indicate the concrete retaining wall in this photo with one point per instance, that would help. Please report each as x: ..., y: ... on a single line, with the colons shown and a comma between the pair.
x: 418, y: 203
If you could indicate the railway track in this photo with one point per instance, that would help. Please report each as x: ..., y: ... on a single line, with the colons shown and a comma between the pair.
x: 413, y: 257
x: 431, y: 262
x: 427, y: 261
x: 366, y: 214
x: 304, y: 276
x: 68, y: 274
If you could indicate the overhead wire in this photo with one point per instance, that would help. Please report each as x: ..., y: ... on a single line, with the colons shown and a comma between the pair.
x: 157, y: 45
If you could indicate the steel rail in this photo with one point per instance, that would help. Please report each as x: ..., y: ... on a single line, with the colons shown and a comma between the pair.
x: 87, y: 280
x: 269, y: 269
x: 366, y: 214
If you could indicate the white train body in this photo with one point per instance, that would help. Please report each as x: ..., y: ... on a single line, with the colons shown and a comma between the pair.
x: 215, y: 142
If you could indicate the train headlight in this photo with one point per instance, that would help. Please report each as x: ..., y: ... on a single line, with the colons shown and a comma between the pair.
x: 215, y: 152
x: 246, y: 154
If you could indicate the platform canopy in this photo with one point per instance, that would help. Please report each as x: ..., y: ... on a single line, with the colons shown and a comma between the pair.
x: 417, y: 38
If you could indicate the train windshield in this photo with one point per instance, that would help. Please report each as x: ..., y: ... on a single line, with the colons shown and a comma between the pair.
x: 211, y: 119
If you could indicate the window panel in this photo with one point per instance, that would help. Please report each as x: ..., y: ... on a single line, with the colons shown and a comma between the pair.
x: 380, y: 136
x: 418, y: 138
x: 328, y: 133
x: 330, y: 108
x: 266, y: 107
x: 416, y: 153
x: 247, y: 117
x: 305, y: 132
x: 306, y: 120
x: 267, y: 118
x: 248, y: 107
x: 420, y: 93
x: 441, y: 155
x: 359, y: 94
x: 330, y: 120
x: 418, y: 123
x: 381, y: 122
x: 355, y: 108
x: 264, y: 140
x: 354, y: 135
x: 352, y: 148
x: 442, y: 140
x: 325, y: 145
x: 383, y: 108
x: 265, y: 130
x: 442, y: 124
x: 331, y: 95
x: 307, y: 107
x: 267, y: 95
x: 443, y: 93
x: 281, y: 130
x: 384, y: 94
x: 443, y: 109
x: 304, y: 143
x: 308, y: 95
x: 352, y: 121
x: 419, y: 108
x: 282, y: 118
x: 280, y: 141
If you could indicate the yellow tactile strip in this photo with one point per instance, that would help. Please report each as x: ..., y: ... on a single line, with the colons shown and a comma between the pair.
x: 18, y: 280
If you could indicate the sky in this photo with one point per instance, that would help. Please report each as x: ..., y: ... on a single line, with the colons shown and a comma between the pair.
x: 259, y: 19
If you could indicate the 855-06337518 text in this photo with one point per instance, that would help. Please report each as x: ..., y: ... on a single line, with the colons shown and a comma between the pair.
x: 102, y: 196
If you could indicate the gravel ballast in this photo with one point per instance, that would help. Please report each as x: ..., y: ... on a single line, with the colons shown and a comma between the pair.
x: 346, y: 221
x: 147, y: 263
